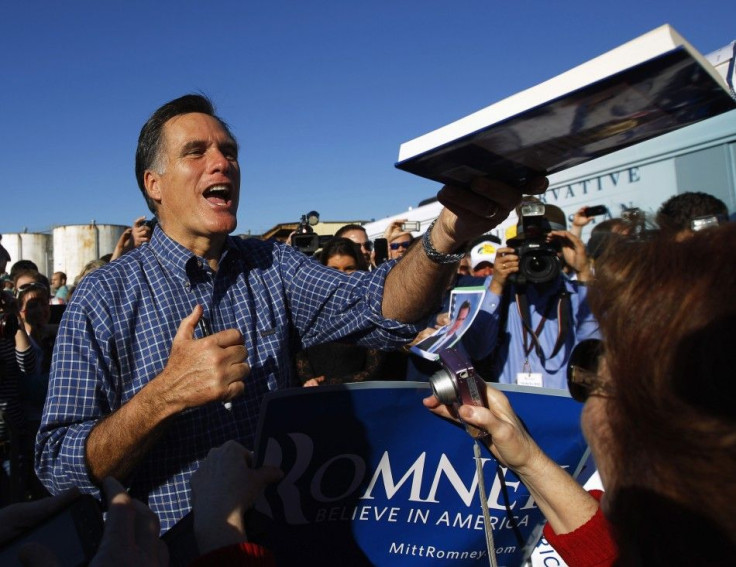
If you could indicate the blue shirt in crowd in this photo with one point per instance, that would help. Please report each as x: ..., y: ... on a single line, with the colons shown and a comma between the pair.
x: 512, y: 359
x: 118, y: 329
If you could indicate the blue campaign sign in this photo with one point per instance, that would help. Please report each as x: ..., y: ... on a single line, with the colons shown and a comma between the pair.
x: 373, y: 478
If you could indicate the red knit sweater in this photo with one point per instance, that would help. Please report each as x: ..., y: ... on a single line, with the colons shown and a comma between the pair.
x: 591, y: 545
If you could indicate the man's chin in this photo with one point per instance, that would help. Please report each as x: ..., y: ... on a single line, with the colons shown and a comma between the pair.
x: 224, y: 225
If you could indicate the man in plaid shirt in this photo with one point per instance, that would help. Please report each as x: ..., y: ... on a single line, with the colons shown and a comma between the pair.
x: 167, y: 352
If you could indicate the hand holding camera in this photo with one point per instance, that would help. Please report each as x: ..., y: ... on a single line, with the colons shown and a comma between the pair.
x: 142, y: 230
x: 495, y: 420
x: 456, y: 384
x: 507, y: 263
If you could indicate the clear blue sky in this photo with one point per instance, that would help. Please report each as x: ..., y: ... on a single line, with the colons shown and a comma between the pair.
x: 319, y: 93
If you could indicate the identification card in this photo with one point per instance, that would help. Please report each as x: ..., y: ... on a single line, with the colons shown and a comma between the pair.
x: 529, y: 379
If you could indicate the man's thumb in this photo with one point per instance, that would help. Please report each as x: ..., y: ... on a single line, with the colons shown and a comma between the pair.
x: 189, y: 324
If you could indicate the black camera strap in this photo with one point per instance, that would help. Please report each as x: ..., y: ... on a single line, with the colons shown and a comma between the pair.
x: 562, y: 299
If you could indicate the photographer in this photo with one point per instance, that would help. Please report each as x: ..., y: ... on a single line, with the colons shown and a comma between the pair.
x: 134, y: 236
x: 535, y: 313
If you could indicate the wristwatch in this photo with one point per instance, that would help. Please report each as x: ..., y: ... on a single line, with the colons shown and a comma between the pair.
x: 433, y: 254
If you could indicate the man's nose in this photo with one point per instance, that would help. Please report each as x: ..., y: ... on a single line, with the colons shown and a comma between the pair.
x: 219, y: 161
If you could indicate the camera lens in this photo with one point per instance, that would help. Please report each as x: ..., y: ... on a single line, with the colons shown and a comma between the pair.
x: 443, y: 387
x: 540, y: 267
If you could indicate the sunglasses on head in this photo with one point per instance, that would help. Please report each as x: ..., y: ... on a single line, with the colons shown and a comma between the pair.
x: 368, y: 245
x: 29, y: 286
x: 397, y: 245
x: 583, y: 379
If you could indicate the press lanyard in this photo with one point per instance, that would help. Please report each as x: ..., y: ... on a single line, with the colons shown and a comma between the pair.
x: 563, y: 323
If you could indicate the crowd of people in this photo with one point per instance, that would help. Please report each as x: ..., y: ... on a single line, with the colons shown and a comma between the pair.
x: 167, y: 347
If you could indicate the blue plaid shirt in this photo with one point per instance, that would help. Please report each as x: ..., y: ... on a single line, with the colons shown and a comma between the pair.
x: 117, y: 332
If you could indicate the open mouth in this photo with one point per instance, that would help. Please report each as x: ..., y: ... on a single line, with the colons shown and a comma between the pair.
x: 219, y: 195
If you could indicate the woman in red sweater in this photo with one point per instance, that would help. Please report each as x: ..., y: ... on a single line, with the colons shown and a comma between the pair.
x: 659, y: 397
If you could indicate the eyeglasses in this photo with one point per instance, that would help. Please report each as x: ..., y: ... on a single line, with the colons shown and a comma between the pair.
x: 397, y: 245
x: 583, y: 379
x: 30, y: 286
x: 368, y: 245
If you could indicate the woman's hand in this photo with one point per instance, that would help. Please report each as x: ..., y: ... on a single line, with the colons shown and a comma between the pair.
x: 509, y: 440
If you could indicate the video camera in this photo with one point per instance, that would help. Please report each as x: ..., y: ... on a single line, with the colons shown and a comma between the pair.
x: 304, y: 238
x: 538, y: 259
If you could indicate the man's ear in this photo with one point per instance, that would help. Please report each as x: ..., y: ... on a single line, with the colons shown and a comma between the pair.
x: 152, y: 183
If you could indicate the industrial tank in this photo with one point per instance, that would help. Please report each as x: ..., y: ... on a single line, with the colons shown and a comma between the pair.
x: 34, y: 246
x: 76, y: 245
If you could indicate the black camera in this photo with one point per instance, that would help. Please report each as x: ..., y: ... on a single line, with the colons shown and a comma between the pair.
x: 457, y: 383
x: 9, y: 324
x: 304, y: 238
x: 539, y: 261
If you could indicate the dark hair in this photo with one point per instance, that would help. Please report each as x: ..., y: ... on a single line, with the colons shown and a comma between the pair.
x: 348, y: 227
x: 602, y: 234
x: 32, y: 273
x: 38, y: 287
x: 676, y: 212
x: 22, y: 266
x: 151, y: 136
x: 338, y: 246
x: 667, y: 313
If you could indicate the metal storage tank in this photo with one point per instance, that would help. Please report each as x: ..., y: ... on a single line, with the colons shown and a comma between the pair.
x: 34, y: 246
x: 75, y: 245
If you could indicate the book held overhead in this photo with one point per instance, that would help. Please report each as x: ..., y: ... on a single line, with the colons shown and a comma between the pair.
x: 649, y: 86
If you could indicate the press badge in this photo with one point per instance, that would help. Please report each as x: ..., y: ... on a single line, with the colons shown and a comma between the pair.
x: 529, y: 379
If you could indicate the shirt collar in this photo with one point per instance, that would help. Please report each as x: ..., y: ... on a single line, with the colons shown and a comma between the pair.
x: 181, y: 261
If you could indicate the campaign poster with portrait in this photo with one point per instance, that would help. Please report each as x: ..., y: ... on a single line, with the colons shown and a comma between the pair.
x: 465, y: 303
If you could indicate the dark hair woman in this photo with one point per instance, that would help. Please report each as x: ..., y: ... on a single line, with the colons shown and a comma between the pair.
x: 343, y: 254
x: 659, y: 411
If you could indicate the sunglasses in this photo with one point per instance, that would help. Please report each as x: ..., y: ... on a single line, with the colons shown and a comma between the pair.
x: 30, y: 286
x: 368, y: 245
x: 397, y: 245
x: 583, y: 379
